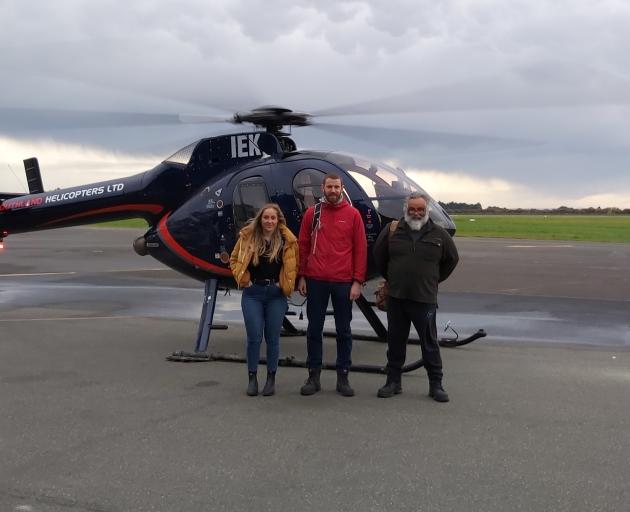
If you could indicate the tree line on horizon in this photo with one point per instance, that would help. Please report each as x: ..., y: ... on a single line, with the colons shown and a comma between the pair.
x: 455, y: 208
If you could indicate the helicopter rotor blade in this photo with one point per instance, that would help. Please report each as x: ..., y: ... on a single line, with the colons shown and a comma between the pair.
x: 111, y: 77
x: 509, y: 92
x: 25, y: 118
x: 402, y: 138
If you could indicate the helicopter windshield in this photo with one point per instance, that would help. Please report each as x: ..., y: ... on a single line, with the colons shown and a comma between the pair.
x: 386, y: 187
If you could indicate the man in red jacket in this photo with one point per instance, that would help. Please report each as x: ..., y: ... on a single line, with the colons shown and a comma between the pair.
x: 333, y: 260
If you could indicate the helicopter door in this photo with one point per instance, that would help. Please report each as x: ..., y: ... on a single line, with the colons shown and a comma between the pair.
x: 249, y: 196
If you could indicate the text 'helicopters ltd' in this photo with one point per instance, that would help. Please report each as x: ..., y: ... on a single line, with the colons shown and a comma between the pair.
x: 198, y: 199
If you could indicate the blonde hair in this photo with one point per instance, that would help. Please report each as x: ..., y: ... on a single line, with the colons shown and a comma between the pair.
x: 258, y: 242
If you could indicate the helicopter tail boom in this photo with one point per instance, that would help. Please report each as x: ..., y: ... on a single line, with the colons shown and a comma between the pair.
x: 88, y: 204
x: 7, y: 195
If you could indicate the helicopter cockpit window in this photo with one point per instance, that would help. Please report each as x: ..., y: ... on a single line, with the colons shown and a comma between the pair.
x: 307, y: 187
x: 249, y: 196
x: 383, y: 185
x: 386, y: 187
x: 183, y: 155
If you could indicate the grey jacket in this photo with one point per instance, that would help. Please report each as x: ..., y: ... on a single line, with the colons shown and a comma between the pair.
x: 413, y: 269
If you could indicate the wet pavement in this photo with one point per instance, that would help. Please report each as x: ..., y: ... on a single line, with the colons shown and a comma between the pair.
x: 94, y: 418
x: 518, y: 291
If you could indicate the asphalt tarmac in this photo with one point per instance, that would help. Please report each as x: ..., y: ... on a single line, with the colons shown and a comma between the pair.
x: 94, y: 418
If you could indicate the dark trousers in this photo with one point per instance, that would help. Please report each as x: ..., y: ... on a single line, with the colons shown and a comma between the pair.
x: 318, y: 294
x: 401, y: 313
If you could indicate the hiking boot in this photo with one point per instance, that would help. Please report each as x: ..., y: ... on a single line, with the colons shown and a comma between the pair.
x: 312, y: 385
x: 270, y: 385
x: 252, y: 386
x: 392, y: 387
x: 343, y: 386
x: 436, y: 391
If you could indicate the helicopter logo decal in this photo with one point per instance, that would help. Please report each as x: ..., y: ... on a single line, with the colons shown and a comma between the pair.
x: 85, y: 192
x: 245, y: 145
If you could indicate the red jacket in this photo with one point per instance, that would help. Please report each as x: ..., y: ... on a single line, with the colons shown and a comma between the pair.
x: 337, y: 251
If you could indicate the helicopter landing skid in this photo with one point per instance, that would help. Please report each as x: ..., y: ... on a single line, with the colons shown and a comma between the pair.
x: 189, y: 357
x: 292, y: 362
x: 366, y: 307
x: 288, y: 329
x: 205, y: 327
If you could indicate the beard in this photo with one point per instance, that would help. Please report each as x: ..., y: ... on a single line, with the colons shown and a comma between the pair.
x: 333, y: 198
x: 416, y: 224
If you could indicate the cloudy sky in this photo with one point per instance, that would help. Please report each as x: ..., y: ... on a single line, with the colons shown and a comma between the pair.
x: 519, y: 103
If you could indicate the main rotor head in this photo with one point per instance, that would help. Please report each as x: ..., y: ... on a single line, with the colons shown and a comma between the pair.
x: 273, y: 118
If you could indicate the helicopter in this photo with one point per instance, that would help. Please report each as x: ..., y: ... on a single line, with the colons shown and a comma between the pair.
x: 196, y: 201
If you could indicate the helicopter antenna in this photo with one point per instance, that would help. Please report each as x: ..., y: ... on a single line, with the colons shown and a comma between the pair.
x: 18, y: 179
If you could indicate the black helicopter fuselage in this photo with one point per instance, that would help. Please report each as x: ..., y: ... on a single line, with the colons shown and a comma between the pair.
x: 197, y: 200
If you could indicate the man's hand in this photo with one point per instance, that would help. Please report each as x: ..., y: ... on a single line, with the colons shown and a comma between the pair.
x: 302, y: 286
x: 355, y: 291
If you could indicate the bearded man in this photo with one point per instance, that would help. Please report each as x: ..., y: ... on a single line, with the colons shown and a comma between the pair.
x: 414, y: 258
x: 333, y: 263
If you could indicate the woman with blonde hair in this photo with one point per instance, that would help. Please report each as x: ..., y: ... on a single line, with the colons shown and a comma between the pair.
x: 264, y: 263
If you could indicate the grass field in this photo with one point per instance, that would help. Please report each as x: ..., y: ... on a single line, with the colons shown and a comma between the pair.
x: 131, y: 223
x: 600, y: 228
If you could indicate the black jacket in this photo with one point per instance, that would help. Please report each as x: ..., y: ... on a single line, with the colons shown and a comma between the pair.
x: 413, y: 269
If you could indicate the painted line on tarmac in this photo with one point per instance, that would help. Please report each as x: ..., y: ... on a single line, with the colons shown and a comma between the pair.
x: 133, y: 270
x: 39, y: 274
x: 508, y: 292
x: 75, y: 273
x: 541, y: 246
x: 65, y: 318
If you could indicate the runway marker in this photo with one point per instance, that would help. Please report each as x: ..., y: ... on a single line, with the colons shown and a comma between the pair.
x: 39, y: 274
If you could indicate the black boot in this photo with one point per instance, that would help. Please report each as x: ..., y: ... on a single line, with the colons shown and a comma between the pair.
x: 312, y: 385
x: 252, y: 387
x: 436, y: 391
x: 343, y: 386
x: 270, y: 385
x: 392, y: 386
